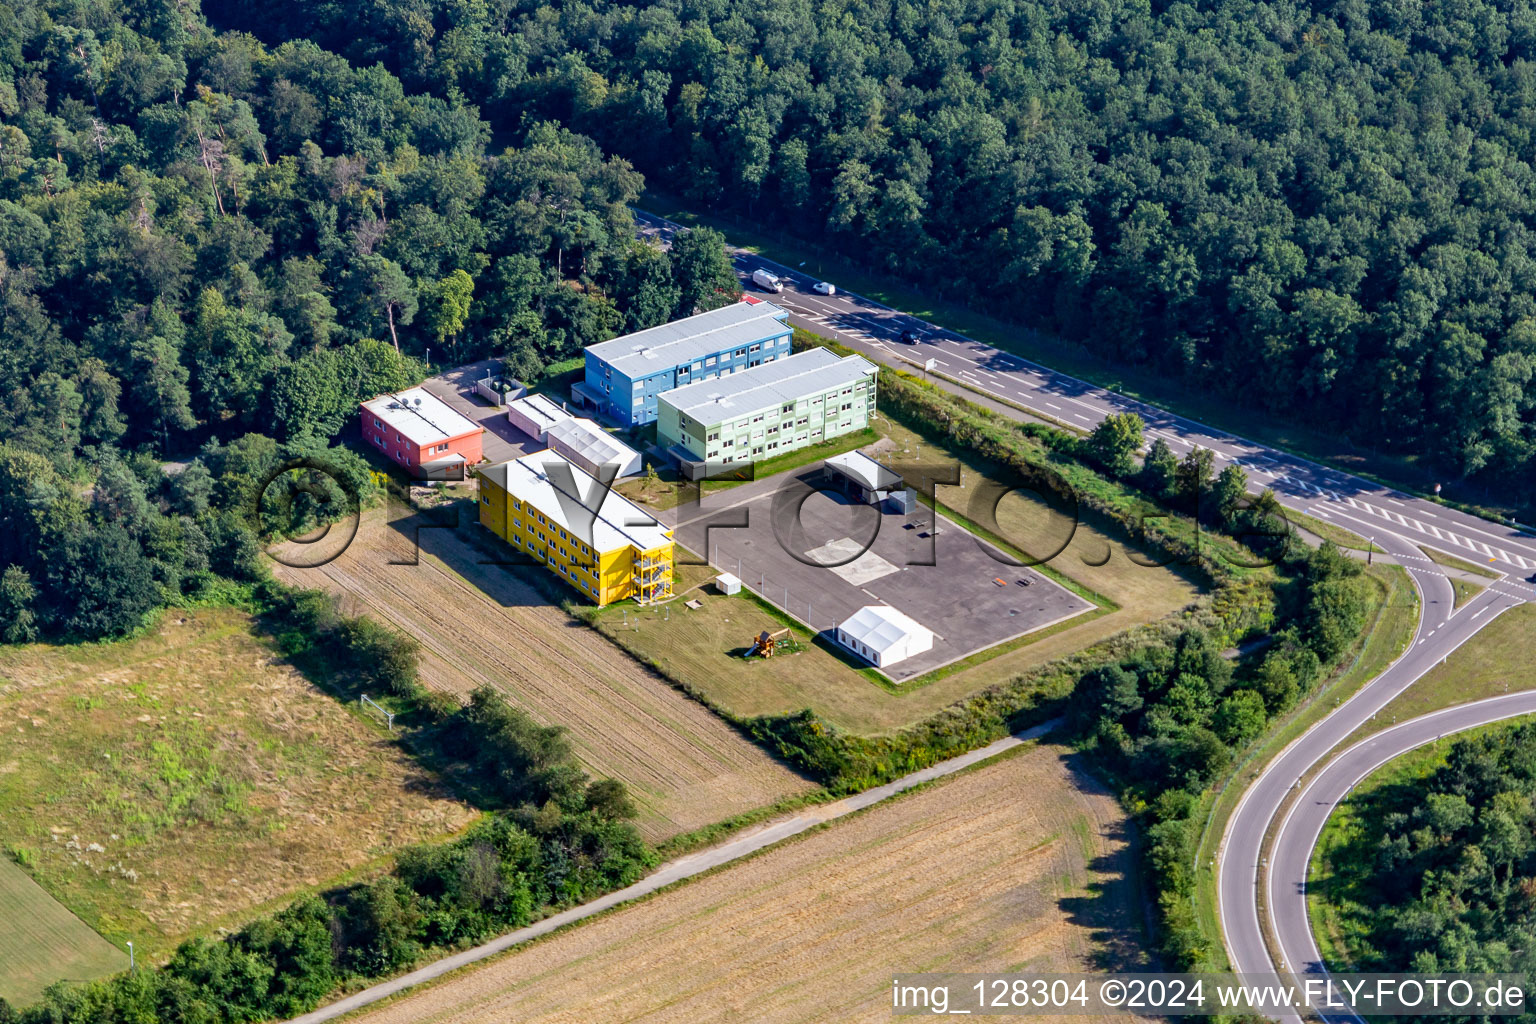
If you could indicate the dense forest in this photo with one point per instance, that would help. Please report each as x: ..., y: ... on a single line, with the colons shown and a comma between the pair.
x: 1443, y: 869
x: 210, y: 251
x: 1323, y: 209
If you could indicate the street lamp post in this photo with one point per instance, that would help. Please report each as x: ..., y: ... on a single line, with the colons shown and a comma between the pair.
x: 1370, y: 551
x: 132, y: 968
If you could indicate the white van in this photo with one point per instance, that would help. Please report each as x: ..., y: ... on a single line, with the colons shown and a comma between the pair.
x: 766, y: 281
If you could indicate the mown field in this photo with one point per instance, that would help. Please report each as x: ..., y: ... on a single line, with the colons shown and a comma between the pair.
x: 42, y: 942
x: 486, y: 623
x: 701, y: 647
x: 1018, y: 865
x: 181, y: 781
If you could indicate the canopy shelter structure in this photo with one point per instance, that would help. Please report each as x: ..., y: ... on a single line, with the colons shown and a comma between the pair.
x: 861, y: 478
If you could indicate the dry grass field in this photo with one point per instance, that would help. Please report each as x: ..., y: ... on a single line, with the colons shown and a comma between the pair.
x: 186, y: 779
x: 482, y: 623
x: 1017, y: 865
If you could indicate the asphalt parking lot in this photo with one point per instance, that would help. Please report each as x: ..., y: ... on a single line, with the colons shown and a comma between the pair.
x: 822, y: 558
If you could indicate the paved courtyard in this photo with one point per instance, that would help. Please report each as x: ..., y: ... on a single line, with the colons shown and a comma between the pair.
x: 821, y: 558
x: 502, y: 441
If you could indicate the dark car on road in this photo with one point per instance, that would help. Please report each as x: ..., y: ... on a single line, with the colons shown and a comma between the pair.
x: 909, y: 337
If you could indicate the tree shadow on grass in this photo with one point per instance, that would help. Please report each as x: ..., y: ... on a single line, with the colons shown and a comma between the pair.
x: 1112, y: 907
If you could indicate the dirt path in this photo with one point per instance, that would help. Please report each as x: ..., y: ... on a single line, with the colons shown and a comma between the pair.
x: 481, y: 623
x: 1018, y: 865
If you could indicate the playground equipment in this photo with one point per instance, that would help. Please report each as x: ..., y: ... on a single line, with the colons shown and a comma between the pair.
x: 766, y: 642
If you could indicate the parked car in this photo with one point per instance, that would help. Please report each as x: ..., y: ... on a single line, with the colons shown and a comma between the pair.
x: 824, y: 288
x: 766, y: 281
x: 909, y: 337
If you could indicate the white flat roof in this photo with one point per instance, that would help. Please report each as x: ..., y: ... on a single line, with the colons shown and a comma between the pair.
x: 767, y: 385
x: 573, y: 500
x: 592, y: 442
x: 879, y: 627
x: 540, y: 409
x: 693, y: 337
x: 421, y: 416
x: 865, y: 470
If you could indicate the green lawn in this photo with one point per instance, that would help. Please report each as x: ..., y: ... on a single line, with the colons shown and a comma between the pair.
x: 1452, y: 562
x: 1328, y: 531
x: 187, y: 779
x: 1496, y: 660
x: 1390, y: 632
x: 41, y: 942
x: 1093, y: 558
x: 1341, y: 875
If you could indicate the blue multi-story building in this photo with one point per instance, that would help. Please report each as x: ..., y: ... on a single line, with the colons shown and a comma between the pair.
x: 624, y: 376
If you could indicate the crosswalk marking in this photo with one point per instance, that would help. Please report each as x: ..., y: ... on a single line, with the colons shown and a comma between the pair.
x: 1488, y: 551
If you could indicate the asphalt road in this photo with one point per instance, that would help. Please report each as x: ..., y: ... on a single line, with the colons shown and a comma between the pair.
x: 1240, y: 872
x: 1398, y: 522
x: 1355, y: 504
x: 1303, y: 825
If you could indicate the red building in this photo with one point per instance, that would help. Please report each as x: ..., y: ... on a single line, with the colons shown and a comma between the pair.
x: 422, y: 433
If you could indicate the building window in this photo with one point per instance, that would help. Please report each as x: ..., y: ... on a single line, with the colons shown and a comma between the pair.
x: 755, y: 348
x: 710, y: 361
x: 485, y: 499
x: 739, y: 353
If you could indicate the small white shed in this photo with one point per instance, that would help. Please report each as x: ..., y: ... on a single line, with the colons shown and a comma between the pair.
x: 535, y: 414
x: 728, y: 583
x: 884, y: 635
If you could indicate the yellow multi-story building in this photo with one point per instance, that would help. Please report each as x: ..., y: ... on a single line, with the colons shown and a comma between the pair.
x: 599, y: 542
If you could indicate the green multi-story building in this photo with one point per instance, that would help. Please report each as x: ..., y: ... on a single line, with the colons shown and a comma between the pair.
x: 766, y: 410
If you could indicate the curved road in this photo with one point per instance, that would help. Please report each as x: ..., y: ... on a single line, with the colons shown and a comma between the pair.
x: 1398, y: 522
x: 1440, y: 631
x: 1303, y: 825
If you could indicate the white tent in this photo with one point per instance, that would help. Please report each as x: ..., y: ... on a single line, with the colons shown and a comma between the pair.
x: 884, y: 635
